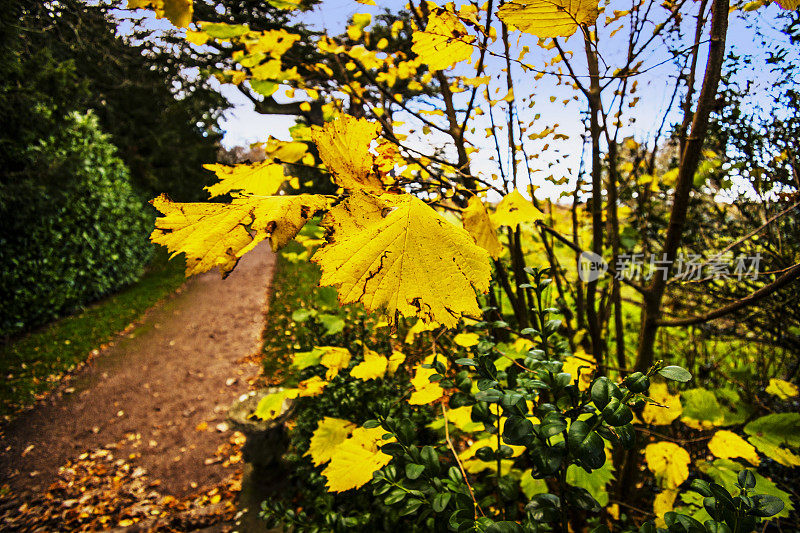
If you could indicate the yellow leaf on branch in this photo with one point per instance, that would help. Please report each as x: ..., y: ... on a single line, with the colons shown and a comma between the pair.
x: 548, y: 18
x: 727, y: 444
x: 330, y: 433
x: 664, y: 503
x: 334, y: 359
x: 668, y: 409
x: 178, y: 12
x: 515, y: 209
x: 405, y: 259
x: 262, y: 179
x: 275, y: 404
x: 395, y: 360
x: 343, y: 146
x: 668, y: 462
x: 217, y: 235
x: 355, y: 460
x: 466, y: 339
x: 425, y: 391
x: 373, y: 367
x: 444, y: 42
x: 311, y: 387
x: 782, y: 389
x: 477, y: 222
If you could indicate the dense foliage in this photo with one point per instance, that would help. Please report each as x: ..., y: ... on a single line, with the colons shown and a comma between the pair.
x: 74, y: 212
x: 74, y: 227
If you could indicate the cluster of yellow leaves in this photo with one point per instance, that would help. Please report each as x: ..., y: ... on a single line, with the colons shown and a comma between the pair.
x: 379, y: 248
x: 218, y: 235
x: 353, y: 453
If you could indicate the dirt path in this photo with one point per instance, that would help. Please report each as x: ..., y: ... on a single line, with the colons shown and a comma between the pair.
x: 159, y: 395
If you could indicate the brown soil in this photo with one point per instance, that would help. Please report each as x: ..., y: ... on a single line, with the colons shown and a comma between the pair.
x: 154, y: 389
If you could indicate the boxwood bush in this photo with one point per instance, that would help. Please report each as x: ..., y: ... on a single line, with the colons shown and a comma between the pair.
x: 74, y: 229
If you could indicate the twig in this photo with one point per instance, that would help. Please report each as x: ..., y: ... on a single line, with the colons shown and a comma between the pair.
x: 460, y: 466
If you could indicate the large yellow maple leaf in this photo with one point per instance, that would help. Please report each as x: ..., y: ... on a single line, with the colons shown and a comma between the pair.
x: 548, y: 18
x: 262, y: 179
x: 444, y: 42
x: 344, y: 147
x: 217, y: 235
x: 405, y: 259
x: 668, y: 462
x: 477, y: 222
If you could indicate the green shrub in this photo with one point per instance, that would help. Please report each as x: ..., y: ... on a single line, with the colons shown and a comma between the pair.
x: 73, y: 227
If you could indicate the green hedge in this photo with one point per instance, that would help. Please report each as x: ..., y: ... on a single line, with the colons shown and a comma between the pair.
x: 73, y: 227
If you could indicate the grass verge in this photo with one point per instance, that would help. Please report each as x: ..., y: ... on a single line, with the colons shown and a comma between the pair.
x: 33, y: 364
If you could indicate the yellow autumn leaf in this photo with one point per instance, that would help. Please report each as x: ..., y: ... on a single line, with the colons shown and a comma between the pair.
x: 777, y: 453
x: 218, y: 235
x: 262, y: 179
x: 178, y: 12
x: 334, y: 359
x: 330, y: 433
x: 425, y: 391
x: 548, y: 18
x: 343, y: 146
x: 727, y: 445
x: 658, y: 415
x: 391, y: 262
x: 573, y: 364
x: 782, y: 389
x: 668, y: 462
x: 789, y: 4
x: 355, y: 460
x: 273, y: 405
x: 310, y: 387
x: 664, y: 503
x: 444, y: 42
x: 461, y: 418
x: 197, y: 37
x: 395, y: 360
x: 373, y: 367
x: 466, y: 339
x: 287, y: 152
x: 514, y: 209
x: 477, y: 222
